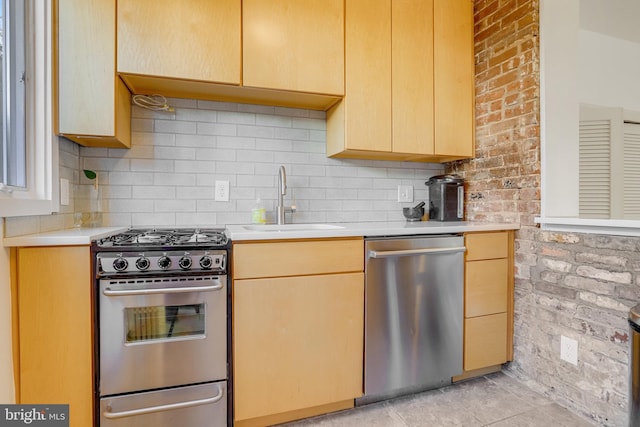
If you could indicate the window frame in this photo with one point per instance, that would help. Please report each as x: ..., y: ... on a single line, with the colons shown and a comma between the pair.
x: 40, y: 195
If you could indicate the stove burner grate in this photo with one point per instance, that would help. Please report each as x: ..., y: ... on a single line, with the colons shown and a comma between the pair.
x: 166, y: 237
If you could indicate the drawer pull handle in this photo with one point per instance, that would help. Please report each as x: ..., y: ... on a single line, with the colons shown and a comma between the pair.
x: 169, y: 407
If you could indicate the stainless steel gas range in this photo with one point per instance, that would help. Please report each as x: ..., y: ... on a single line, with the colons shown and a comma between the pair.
x: 163, y: 330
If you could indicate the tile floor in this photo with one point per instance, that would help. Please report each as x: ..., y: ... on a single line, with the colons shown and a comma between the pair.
x: 496, y: 400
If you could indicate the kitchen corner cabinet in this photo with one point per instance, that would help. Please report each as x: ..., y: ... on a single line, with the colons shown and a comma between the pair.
x: 93, y: 104
x: 298, y: 331
x: 294, y: 45
x: 54, y: 346
x: 488, y: 313
x: 409, y: 82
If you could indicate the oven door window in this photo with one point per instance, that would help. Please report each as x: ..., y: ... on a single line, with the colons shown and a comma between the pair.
x: 164, y: 322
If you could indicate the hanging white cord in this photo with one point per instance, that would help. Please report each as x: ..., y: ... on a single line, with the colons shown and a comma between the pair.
x: 152, y: 102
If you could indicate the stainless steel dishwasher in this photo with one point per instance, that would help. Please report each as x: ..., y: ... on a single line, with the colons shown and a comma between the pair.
x: 413, y: 314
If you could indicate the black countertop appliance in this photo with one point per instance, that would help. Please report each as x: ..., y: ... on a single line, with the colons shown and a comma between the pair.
x: 446, y: 198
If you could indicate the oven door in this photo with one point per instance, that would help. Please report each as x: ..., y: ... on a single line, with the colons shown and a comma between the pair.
x: 162, y: 332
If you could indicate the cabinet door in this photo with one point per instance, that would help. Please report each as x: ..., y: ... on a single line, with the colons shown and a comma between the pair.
x: 55, y: 323
x: 361, y: 123
x: 298, y: 342
x: 485, y: 341
x: 93, y: 104
x: 454, y: 76
x: 195, y: 40
x: 294, y: 45
x: 412, y: 76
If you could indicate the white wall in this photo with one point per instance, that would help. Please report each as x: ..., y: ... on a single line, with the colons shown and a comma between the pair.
x: 608, y: 71
x: 6, y: 363
x: 559, y: 107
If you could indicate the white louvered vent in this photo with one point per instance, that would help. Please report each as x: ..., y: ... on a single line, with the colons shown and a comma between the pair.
x: 632, y: 171
x: 595, y: 168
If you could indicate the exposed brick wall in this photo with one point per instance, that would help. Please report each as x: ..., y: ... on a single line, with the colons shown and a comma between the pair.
x: 502, y: 182
x: 577, y: 285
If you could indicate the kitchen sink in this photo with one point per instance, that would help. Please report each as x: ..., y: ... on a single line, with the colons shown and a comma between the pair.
x: 291, y: 227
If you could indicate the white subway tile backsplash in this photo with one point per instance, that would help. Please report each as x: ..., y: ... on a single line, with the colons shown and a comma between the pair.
x: 195, y: 115
x: 236, y: 142
x: 154, y: 139
x: 142, y: 125
x: 195, y: 166
x: 174, y: 126
x: 154, y: 192
x: 153, y: 219
x: 177, y: 179
x: 309, y: 124
x: 130, y: 178
x: 217, y: 129
x: 181, y: 153
x: 256, y: 131
x: 155, y: 165
x: 292, y: 134
x: 196, y: 141
x: 167, y: 178
x: 236, y: 118
x: 255, y: 108
x: 174, y: 205
x: 215, y: 154
x: 129, y: 205
x: 271, y: 120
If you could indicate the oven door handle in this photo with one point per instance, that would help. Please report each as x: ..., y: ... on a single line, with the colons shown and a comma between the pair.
x: 160, y: 408
x: 187, y: 289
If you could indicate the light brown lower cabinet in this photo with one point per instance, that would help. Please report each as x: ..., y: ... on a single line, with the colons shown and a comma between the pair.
x: 297, y: 339
x: 53, y: 350
x: 488, y: 313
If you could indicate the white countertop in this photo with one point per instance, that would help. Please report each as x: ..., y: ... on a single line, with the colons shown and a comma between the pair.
x: 66, y: 237
x: 84, y: 236
x: 399, y: 228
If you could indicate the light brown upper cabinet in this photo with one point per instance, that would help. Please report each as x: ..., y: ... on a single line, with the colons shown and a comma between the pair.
x: 93, y: 105
x: 291, y: 50
x: 295, y: 45
x: 173, y: 41
x: 409, y: 82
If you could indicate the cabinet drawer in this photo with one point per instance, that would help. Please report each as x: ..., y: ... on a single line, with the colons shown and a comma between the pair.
x: 487, y: 245
x: 271, y: 259
x: 485, y: 341
x: 486, y: 287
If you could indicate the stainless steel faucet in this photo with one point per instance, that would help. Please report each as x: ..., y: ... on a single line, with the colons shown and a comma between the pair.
x: 282, y: 190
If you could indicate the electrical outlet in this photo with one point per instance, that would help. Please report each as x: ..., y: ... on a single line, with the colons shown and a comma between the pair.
x: 569, y: 350
x: 405, y: 193
x: 222, y: 191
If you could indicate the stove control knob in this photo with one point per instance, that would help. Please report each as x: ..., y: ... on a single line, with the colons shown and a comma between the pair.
x: 206, y: 262
x: 164, y: 262
x: 120, y: 264
x: 185, y: 262
x: 143, y: 263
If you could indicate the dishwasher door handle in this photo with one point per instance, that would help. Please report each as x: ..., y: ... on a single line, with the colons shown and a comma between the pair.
x: 414, y: 252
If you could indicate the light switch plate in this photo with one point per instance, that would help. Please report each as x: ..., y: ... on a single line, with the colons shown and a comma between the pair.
x: 222, y: 191
x: 405, y: 193
x: 64, y: 192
